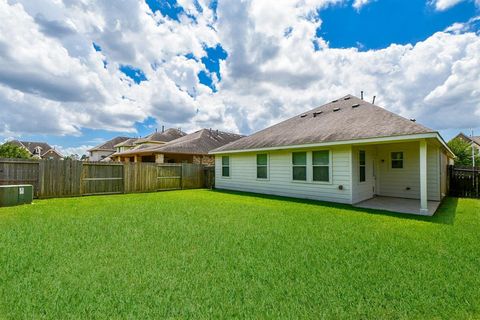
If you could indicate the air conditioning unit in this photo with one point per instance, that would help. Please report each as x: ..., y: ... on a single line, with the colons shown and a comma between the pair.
x: 13, y: 195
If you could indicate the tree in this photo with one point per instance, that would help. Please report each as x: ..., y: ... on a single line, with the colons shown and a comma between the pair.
x: 463, y: 151
x: 71, y: 157
x: 10, y: 150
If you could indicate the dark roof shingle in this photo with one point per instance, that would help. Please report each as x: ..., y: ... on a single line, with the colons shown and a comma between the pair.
x: 199, y: 142
x: 109, y: 145
x: 165, y: 136
x: 348, y: 118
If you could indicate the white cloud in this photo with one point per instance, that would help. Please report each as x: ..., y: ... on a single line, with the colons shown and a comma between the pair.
x: 80, y: 150
x: 357, y: 4
x: 52, y: 81
x: 442, y: 5
x: 269, y: 77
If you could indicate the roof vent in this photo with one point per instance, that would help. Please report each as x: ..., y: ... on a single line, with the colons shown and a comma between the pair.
x: 346, y: 98
x: 413, y: 120
x: 336, y: 109
x: 356, y: 105
x: 334, y: 101
x: 317, y: 113
x: 303, y: 115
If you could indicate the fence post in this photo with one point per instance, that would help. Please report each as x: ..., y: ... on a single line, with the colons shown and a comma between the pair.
x: 181, y: 176
x: 123, y: 176
x: 40, y: 178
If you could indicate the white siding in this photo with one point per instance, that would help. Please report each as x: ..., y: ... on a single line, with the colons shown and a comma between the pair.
x: 443, y: 173
x: 99, y: 155
x: 394, y: 182
x: 279, y: 182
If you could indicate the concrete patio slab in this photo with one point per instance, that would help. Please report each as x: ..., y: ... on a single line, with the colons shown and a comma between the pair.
x: 401, y: 205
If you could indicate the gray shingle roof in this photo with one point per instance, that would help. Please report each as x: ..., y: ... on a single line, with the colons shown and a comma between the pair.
x: 31, y: 145
x: 476, y: 140
x: 127, y: 143
x: 466, y: 138
x: 348, y: 118
x: 166, y: 136
x: 199, y: 142
x: 109, y: 145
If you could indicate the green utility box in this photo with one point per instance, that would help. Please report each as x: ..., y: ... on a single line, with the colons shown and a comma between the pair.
x: 14, y: 195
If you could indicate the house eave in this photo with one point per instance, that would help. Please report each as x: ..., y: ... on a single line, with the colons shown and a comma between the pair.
x: 376, y: 140
x: 55, y: 151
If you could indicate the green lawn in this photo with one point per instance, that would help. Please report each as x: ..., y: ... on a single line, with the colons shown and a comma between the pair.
x: 204, y: 254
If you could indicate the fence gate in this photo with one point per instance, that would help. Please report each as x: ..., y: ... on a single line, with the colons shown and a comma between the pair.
x: 16, y: 171
x: 99, y: 178
x: 464, y: 182
x: 209, y: 177
x: 169, y: 176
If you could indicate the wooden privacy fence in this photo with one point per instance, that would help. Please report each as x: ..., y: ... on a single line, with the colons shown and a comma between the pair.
x: 464, y: 182
x: 209, y: 176
x: 63, y: 178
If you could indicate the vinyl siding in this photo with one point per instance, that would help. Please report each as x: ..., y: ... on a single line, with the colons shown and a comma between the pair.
x: 279, y: 182
x: 443, y: 174
x: 394, y: 182
x: 99, y: 155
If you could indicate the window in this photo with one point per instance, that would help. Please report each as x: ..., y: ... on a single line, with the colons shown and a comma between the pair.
x: 225, y: 166
x: 397, y: 160
x: 362, y: 164
x: 321, y: 165
x: 262, y: 166
x: 299, y: 166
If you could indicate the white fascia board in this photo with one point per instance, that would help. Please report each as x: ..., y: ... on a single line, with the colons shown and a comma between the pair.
x: 377, y: 140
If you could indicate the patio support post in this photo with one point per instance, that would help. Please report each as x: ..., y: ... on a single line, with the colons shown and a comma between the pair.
x: 159, y: 158
x: 423, y: 177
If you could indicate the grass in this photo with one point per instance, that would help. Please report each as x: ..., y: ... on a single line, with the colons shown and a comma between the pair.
x: 208, y: 254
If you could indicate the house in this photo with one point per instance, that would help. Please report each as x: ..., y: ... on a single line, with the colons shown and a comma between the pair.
x: 474, y: 141
x: 39, y: 150
x: 347, y: 151
x: 125, y: 145
x: 192, y: 148
x: 105, y: 150
x: 154, y: 139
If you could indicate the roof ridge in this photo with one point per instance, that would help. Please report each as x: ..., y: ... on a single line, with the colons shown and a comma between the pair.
x: 354, y: 122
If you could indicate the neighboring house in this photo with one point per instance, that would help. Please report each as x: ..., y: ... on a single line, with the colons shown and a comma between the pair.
x: 39, y: 150
x: 192, y: 148
x: 345, y: 151
x: 125, y: 145
x: 473, y: 141
x: 105, y: 150
x: 154, y: 139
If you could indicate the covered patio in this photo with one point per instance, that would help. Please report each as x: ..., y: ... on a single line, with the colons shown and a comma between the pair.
x: 401, y: 205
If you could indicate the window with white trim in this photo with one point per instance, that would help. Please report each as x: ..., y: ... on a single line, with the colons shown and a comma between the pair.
x: 225, y: 166
x: 362, y: 165
x: 397, y: 160
x: 321, y: 166
x: 262, y: 166
x: 299, y: 166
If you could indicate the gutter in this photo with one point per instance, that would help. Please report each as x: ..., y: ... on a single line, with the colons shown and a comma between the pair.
x: 376, y: 140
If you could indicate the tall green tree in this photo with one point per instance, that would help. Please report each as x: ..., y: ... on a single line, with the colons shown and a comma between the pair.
x: 463, y: 151
x: 10, y: 150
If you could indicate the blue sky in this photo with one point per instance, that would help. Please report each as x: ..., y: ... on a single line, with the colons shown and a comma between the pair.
x: 384, y: 22
x: 128, y: 68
